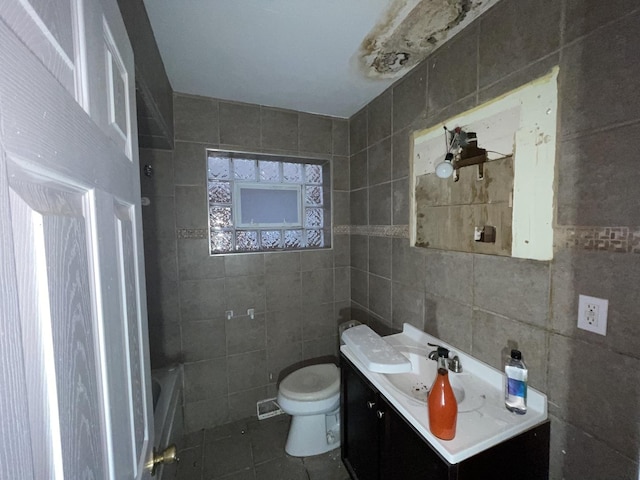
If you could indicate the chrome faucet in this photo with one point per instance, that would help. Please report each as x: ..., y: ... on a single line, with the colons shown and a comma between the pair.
x: 453, y: 363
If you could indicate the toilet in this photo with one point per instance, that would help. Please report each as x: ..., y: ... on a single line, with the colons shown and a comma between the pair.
x: 311, y: 395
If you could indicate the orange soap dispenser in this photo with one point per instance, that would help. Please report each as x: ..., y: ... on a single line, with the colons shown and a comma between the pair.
x: 442, y: 405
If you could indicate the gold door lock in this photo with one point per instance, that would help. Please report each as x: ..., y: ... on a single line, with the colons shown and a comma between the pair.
x: 169, y: 455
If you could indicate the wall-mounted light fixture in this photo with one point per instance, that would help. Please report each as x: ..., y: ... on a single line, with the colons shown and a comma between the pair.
x: 462, y: 151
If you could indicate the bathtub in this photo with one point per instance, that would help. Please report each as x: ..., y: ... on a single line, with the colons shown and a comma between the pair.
x: 168, y: 418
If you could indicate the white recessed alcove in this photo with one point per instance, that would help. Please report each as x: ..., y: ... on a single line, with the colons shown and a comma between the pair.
x: 517, y: 127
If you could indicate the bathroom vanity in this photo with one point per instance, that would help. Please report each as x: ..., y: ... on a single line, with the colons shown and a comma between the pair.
x: 385, y: 431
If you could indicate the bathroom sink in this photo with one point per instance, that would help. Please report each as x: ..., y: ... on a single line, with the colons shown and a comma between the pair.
x: 416, y: 384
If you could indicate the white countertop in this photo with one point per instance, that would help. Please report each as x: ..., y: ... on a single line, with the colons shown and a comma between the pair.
x: 479, y: 429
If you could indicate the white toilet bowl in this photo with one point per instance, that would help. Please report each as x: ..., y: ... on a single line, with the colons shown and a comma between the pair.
x: 311, y: 395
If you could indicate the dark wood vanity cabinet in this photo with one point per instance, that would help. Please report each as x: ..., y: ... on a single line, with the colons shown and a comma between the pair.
x: 379, y: 444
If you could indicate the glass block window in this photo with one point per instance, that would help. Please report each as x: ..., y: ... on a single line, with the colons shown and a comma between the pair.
x: 261, y: 203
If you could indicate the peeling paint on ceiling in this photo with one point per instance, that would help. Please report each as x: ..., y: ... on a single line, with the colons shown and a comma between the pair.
x: 410, y: 30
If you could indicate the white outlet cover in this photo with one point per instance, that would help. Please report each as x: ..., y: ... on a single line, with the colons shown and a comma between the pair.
x: 599, y: 326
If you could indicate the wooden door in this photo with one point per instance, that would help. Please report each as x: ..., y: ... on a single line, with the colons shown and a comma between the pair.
x: 75, y: 397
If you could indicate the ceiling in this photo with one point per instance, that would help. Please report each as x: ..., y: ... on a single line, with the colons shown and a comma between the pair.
x: 327, y: 57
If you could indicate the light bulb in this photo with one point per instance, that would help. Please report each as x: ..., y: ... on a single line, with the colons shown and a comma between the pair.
x: 445, y: 169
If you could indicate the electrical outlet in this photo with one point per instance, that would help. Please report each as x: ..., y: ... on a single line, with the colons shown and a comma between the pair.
x: 592, y: 314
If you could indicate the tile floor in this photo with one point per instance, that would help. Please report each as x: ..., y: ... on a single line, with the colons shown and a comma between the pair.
x: 252, y: 450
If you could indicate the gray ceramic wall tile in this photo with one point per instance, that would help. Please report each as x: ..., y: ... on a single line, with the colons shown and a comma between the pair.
x: 582, y: 17
x: 203, y: 339
x: 195, y: 119
x: 358, y: 176
x: 200, y: 299
x: 195, y: 262
x: 203, y: 380
x: 516, y: 288
x: 245, y: 334
x: 584, y: 194
x: 341, y: 251
x: 450, y: 275
x: 320, y: 347
x: 190, y: 164
x: 341, y: 208
x: 400, y: 154
x: 164, y: 344
x: 316, y: 259
x: 515, y: 34
x: 161, y: 258
x: 449, y: 321
x: 379, y: 117
x: 380, y: 297
x: 494, y: 337
x: 380, y: 256
x: 280, y: 359
x: 315, y: 133
x: 191, y: 207
x: 317, y: 286
x: 161, y: 181
x: 407, y: 306
x: 206, y: 414
x: 318, y: 321
x: 340, y: 131
x: 360, y: 287
x: 409, y: 97
x: 358, y: 203
x: 379, y: 162
x: 245, y: 264
x: 243, y: 293
x: 279, y: 129
x: 163, y: 300
x: 340, y: 173
x: 400, y: 196
x: 159, y: 218
x: 453, y: 70
x: 283, y: 328
x: 281, y: 262
x: 407, y: 264
x: 358, y: 132
x: 579, y: 371
x: 360, y: 251
x: 380, y: 204
x: 247, y: 370
x: 342, y: 284
x: 283, y: 290
x: 239, y: 124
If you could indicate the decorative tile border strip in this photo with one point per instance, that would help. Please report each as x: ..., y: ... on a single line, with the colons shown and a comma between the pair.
x: 193, y: 233
x: 396, y: 231
x: 603, y: 239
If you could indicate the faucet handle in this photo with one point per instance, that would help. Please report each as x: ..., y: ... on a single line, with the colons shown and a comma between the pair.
x: 454, y: 365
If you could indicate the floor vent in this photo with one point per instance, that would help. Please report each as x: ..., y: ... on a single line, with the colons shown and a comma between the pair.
x: 268, y: 408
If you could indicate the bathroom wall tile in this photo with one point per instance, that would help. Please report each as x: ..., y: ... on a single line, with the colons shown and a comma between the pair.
x: 281, y: 262
x: 408, y: 264
x: 206, y: 379
x: 247, y: 371
x: 283, y: 290
x: 163, y: 300
x: 317, y: 286
x: 164, y: 344
x: 245, y: 334
x: 358, y: 170
x: 279, y: 129
x: 315, y: 133
x: 195, y: 119
x: 340, y: 167
x: 239, y: 124
x: 340, y: 132
x: 245, y: 264
x: 584, y: 196
x: 409, y: 97
x: 584, y: 456
x: 191, y: 207
x: 360, y: 251
x: 318, y: 321
x: 203, y: 339
x: 455, y: 109
x: 206, y: 413
x: 407, y: 306
x: 516, y: 288
x: 342, y: 284
x: 450, y: 275
x: 400, y: 197
x: 579, y: 371
x: 195, y: 262
x: 284, y: 327
x: 201, y: 299
x: 400, y: 154
x: 359, y: 207
x: 341, y: 208
x: 358, y: 132
x: 159, y: 218
x: 453, y: 70
x: 582, y: 17
x: 379, y: 256
x: 380, y: 297
x: 341, y: 250
x: 280, y: 361
x: 380, y: 204
x: 190, y: 164
x: 602, y: 275
x: 449, y: 321
x: 161, y: 258
x: 379, y: 117
x: 515, y: 34
x: 360, y: 287
x: 320, y: 347
x: 494, y: 337
x: 379, y: 162
x: 243, y: 293
x: 161, y: 181
x: 316, y: 259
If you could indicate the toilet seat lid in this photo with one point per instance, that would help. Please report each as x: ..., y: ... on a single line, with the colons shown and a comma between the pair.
x: 315, y: 382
